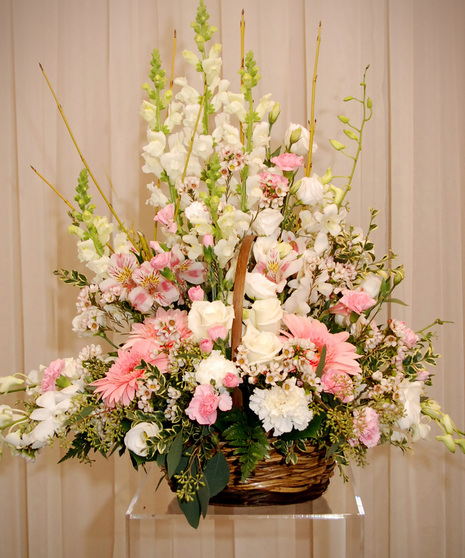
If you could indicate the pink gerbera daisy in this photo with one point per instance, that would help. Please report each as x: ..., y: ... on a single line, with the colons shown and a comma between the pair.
x: 340, y: 355
x: 120, y: 383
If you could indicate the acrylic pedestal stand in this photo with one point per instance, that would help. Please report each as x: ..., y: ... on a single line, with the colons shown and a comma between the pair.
x: 330, y: 527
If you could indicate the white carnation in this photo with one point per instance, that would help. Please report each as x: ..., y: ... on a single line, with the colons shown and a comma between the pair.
x: 214, y: 368
x: 282, y: 408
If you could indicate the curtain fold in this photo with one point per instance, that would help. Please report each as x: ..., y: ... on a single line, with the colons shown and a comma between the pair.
x: 97, y: 56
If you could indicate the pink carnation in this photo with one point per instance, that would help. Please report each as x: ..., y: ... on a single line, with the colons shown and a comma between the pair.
x: 203, y: 406
x: 51, y: 373
x: 353, y: 301
x: 339, y: 384
x: 288, y: 161
x: 366, y: 426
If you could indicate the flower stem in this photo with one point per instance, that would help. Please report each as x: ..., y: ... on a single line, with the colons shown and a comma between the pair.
x: 312, y: 121
x: 54, y: 189
x: 172, y: 61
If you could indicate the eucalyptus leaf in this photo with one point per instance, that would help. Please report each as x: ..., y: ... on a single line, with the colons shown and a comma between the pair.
x: 174, y: 455
x: 216, y: 472
x: 203, y: 495
x: 192, y: 511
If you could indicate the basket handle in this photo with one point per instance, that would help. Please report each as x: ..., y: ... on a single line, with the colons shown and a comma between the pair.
x: 238, y: 294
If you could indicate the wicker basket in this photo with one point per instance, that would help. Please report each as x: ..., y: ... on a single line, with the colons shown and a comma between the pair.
x: 275, y: 483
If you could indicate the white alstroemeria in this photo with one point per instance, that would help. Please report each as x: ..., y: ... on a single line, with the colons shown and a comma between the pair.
x: 51, y: 416
x: 148, y: 111
x: 311, y: 190
x: 190, y: 57
x: 156, y: 145
x: 225, y: 249
x: 187, y: 94
x: 136, y: 438
x: 265, y: 105
x: 282, y: 408
x: 267, y: 222
x: 203, y: 315
x: 266, y: 314
x: 262, y: 346
x: 236, y: 106
x: 261, y: 135
x: 203, y: 146
x: 258, y: 287
x: 296, y: 303
x: 262, y: 246
x: 330, y: 218
x: 212, y: 65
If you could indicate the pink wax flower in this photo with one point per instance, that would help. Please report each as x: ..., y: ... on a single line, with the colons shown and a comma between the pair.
x: 206, y: 345
x: 196, y: 293
x: 207, y: 240
x: 51, y: 373
x: 366, y: 426
x: 231, y: 380
x: 353, y: 301
x: 166, y: 218
x: 217, y: 332
x: 288, y: 161
x: 203, y: 406
x: 339, y: 384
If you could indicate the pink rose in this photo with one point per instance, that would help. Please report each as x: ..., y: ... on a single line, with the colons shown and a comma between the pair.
x: 217, y: 332
x: 51, y: 373
x: 353, y: 301
x: 231, y: 380
x: 206, y: 345
x: 366, y: 426
x: 338, y: 383
x: 203, y: 406
x: 288, y: 161
x: 196, y: 293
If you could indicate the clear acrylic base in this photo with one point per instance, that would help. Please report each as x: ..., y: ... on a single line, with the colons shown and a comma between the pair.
x: 329, y: 527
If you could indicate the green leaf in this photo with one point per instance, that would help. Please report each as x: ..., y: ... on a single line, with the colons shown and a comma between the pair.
x: 161, y: 459
x: 192, y: 511
x: 396, y: 301
x: 321, y: 363
x: 309, y: 432
x: 216, y: 472
x: 174, y: 455
x: 203, y: 495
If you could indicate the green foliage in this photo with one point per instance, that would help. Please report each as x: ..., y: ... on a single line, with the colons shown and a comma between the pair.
x: 72, y: 277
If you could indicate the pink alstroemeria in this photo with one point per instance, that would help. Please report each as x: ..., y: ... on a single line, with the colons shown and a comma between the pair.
x: 288, y: 161
x: 166, y: 218
x: 151, y: 288
x: 120, y: 273
x: 340, y: 355
x: 186, y: 270
x: 278, y: 269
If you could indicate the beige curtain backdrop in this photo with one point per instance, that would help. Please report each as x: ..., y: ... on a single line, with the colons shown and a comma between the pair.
x: 96, y: 53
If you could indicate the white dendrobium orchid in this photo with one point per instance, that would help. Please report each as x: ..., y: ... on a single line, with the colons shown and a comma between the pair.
x: 51, y: 416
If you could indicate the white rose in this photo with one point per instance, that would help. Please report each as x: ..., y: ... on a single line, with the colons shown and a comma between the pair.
x: 204, y: 315
x: 310, y: 191
x: 262, y: 346
x: 266, y: 314
x: 257, y: 286
x: 215, y: 368
x: 136, y: 438
x: 267, y: 222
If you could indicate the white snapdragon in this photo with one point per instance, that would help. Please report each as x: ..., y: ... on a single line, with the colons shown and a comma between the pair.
x: 212, y: 65
x: 225, y: 249
x: 261, y: 135
x: 187, y: 94
x: 203, y: 146
x: 265, y: 105
x: 157, y: 144
x: 236, y: 106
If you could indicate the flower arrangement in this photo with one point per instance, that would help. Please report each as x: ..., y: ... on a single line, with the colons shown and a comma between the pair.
x: 248, y: 323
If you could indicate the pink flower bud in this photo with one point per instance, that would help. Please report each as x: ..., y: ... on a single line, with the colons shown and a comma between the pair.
x: 231, y: 380
x: 196, y: 293
x: 207, y: 240
x: 160, y: 261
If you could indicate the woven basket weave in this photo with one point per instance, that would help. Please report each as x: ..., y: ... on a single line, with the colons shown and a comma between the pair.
x: 274, y: 483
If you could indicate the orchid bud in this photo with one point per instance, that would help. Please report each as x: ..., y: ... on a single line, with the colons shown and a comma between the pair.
x: 327, y: 177
x: 461, y: 444
x: 338, y: 195
x: 7, y: 382
x: 448, y: 424
x: 448, y: 441
x: 431, y: 409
